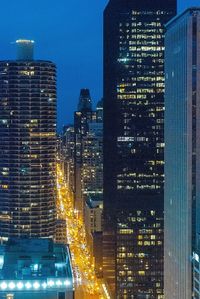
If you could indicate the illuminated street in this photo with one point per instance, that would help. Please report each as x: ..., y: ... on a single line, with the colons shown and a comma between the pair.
x: 86, y: 284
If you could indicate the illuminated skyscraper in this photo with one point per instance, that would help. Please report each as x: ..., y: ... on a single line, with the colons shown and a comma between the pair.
x: 68, y: 154
x: 182, y: 155
x: 82, y: 117
x: 27, y: 145
x: 92, y: 156
x: 134, y: 146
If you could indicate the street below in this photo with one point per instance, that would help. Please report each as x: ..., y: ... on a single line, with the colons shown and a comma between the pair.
x: 87, y: 285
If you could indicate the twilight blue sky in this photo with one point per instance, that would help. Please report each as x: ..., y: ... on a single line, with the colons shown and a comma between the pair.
x: 68, y: 32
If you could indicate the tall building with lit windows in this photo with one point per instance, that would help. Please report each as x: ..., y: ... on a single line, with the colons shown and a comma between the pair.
x: 27, y: 145
x: 82, y: 117
x: 182, y: 156
x: 134, y: 146
x: 68, y: 154
x: 92, y: 156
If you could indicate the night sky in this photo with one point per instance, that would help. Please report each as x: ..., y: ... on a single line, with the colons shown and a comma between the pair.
x: 68, y: 32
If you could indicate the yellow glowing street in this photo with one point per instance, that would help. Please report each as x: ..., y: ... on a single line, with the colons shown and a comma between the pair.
x: 86, y: 284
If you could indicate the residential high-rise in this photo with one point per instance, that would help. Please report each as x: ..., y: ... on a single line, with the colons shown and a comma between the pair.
x: 182, y: 153
x: 134, y: 146
x: 27, y: 145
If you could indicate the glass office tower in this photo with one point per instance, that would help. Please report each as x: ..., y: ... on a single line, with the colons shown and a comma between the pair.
x: 27, y: 145
x: 182, y: 153
x: 134, y: 146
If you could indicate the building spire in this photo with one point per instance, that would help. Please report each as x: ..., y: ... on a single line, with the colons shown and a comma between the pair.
x: 85, y: 102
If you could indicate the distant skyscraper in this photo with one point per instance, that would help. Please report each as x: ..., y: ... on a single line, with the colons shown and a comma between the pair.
x: 82, y: 117
x: 182, y: 152
x: 27, y: 145
x: 99, y: 111
x: 134, y: 146
x: 85, y: 102
x: 68, y: 144
x: 92, y: 156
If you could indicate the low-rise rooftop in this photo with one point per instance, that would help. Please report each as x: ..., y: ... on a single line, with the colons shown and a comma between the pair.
x: 34, y: 264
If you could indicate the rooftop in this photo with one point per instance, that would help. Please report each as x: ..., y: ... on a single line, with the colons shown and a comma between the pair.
x: 95, y: 201
x: 189, y: 11
x: 34, y: 263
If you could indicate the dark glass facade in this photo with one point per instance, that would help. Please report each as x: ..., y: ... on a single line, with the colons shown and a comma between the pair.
x: 27, y: 148
x: 139, y: 245
x: 134, y: 145
x: 182, y: 155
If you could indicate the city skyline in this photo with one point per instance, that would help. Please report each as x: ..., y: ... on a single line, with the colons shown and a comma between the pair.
x: 100, y: 149
x: 73, y: 73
